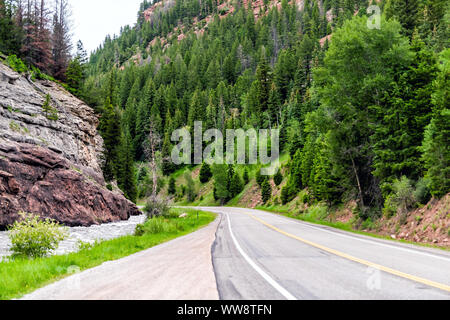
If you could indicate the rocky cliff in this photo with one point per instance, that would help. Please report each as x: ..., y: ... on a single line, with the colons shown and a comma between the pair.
x: 50, y: 165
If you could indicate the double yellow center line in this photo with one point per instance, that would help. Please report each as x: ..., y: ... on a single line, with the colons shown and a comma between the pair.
x: 361, y: 261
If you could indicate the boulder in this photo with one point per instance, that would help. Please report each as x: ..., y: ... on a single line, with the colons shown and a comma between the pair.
x: 37, y: 180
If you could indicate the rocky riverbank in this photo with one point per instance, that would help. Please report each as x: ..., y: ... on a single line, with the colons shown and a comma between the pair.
x: 91, y: 234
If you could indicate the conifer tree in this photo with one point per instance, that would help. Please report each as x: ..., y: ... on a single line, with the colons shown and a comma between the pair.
x: 205, y: 173
x: 126, y: 176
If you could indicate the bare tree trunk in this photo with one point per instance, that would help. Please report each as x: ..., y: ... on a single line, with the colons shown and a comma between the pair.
x: 357, y: 180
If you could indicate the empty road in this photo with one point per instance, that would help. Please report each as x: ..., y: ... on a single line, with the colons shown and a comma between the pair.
x: 254, y: 255
x: 259, y: 255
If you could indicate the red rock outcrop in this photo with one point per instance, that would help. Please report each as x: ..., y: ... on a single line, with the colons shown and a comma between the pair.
x: 37, y: 180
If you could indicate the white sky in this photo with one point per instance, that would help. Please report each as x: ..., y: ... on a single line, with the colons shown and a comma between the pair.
x: 94, y: 19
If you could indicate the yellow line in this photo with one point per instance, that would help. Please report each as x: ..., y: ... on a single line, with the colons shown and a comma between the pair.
x: 361, y: 261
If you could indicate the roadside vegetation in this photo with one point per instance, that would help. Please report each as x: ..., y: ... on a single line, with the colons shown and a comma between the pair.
x: 20, y: 275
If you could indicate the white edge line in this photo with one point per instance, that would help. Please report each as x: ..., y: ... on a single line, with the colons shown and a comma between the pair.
x: 266, y: 277
x: 410, y: 250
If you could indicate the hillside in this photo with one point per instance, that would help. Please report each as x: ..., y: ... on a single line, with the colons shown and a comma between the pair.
x: 427, y: 224
x: 362, y: 110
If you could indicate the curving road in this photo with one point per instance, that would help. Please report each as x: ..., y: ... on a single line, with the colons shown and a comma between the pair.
x: 254, y: 255
x: 259, y: 255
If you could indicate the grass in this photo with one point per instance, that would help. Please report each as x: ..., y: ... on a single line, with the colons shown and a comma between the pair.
x: 21, y: 276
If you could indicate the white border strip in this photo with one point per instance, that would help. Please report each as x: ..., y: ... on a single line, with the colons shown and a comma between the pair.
x: 266, y: 277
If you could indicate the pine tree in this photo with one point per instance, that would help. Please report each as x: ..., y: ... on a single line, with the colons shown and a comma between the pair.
x: 266, y: 191
x: 436, y: 153
x: 110, y: 129
x: 126, y: 176
x: 435, y: 147
x: 263, y: 84
x: 278, y: 178
x: 400, y: 130
x: 221, y: 181
x: 246, y: 177
x: 172, y: 189
x: 50, y: 112
x: 10, y: 33
x: 236, y: 186
x: 406, y: 12
x: 74, y: 75
x: 205, y: 173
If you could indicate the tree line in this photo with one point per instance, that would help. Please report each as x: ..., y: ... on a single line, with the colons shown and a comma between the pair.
x: 38, y: 32
x: 363, y: 113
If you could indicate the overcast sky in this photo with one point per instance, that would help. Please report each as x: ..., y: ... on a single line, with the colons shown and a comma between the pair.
x: 94, y: 19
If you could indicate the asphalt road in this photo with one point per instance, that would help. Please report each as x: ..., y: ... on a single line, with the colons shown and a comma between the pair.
x: 259, y: 255
x: 254, y: 255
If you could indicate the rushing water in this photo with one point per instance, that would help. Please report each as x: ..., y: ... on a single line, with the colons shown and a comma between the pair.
x: 91, y: 234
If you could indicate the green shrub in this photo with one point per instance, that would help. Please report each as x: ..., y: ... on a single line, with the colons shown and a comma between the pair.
x: 159, y: 225
x: 172, y: 189
x: 278, y: 178
x: 139, y: 230
x: 368, y: 224
x: 190, y: 189
x: 288, y: 192
x: 319, y: 212
x: 266, y: 190
x: 246, y: 177
x: 402, y: 197
x: 33, y: 237
x: 205, y: 173
x: 260, y: 178
x: 390, y: 207
x: 304, y: 197
x: 423, y: 193
x: 16, y: 64
x: 50, y: 112
x: 156, y: 207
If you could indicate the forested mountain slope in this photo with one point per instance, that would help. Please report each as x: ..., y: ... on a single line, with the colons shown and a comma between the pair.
x: 363, y: 111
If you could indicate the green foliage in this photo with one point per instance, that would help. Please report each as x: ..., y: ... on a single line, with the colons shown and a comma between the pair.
x: 33, y: 237
x: 436, y: 153
x: 423, y: 192
x: 352, y: 112
x: 221, y: 182
x: 110, y: 129
x: 435, y: 148
x: 40, y: 272
x: 172, y: 189
x: 402, y: 197
x: 278, y: 178
x: 190, y: 188
x: 126, y: 177
x: 51, y: 113
x: 260, y: 179
x: 235, y: 185
x: 156, y: 208
x: 266, y: 191
x: 246, y: 177
x: 16, y: 64
x: 74, y: 74
x: 205, y: 173
x: 288, y: 192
